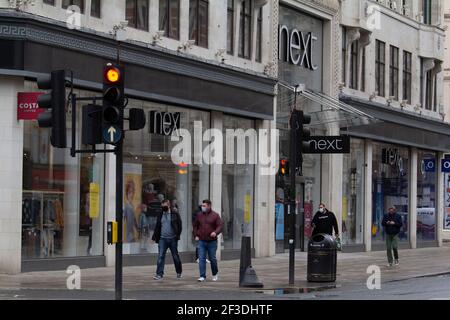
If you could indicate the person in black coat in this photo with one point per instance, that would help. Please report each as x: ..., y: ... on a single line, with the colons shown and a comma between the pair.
x: 392, y: 222
x: 167, y: 234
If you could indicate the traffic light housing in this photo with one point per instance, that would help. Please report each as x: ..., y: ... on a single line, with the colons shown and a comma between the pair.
x: 283, y: 169
x: 55, y: 103
x: 92, y: 124
x: 113, y: 95
x: 303, y: 135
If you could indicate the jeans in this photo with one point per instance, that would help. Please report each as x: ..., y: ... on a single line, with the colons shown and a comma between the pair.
x: 392, y: 245
x: 211, y: 248
x: 163, y: 245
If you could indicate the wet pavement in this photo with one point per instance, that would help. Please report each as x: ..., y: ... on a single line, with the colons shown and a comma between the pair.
x: 418, y: 268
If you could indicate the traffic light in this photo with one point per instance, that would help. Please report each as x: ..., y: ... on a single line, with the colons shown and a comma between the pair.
x: 302, y: 135
x: 283, y: 168
x: 113, y: 94
x: 92, y: 124
x: 55, y: 102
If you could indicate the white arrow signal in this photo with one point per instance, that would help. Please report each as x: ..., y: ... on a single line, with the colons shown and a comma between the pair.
x: 112, y: 132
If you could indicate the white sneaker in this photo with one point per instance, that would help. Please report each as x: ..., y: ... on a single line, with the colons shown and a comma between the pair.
x: 201, y: 279
x: 207, y: 261
x: 215, y: 278
x: 397, y: 262
x: 196, y: 260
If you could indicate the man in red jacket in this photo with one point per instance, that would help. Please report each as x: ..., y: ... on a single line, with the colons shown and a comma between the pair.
x: 207, y: 226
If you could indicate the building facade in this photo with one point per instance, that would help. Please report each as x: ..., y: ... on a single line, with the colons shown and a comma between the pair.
x: 226, y: 66
x: 446, y: 226
x: 203, y: 64
x: 392, y: 69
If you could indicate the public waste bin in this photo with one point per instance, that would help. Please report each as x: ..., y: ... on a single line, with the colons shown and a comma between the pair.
x: 322, y: 258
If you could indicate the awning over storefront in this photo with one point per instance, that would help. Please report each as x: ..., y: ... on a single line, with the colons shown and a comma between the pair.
x: 329, y: 110
x: 401, y: 127
x: 365, y: 119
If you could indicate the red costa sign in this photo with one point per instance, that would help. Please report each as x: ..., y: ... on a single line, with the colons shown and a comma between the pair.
x: 27, y: 107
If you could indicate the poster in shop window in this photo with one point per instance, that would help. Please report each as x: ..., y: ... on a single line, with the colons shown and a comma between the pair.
x: 447, y: 202
x: 132, y: 191
x: 279, y: 224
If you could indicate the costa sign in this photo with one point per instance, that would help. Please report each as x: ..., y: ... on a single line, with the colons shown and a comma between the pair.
x: 27, y: 107
x: 298, y: 47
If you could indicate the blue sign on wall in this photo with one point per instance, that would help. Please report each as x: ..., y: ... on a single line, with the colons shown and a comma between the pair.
x: 445, y: 165
x: 429, y: 165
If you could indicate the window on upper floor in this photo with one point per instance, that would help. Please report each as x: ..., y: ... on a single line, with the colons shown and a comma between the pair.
x: 428, y: 92
x: 393, y: 72
x: 137, y: 14
x: 363, y: 70
x: 230, y: 27
x: 245, y: 29
x: 259, y: 36
x: 68, y: 3
x: 344, y: 54
x: 407, y: 76
x: 169, y: 18
x: 50, y: 2
x: 380, y: 67
x: 199, y: 22
x: 427, y: 11
x: 354, y: 65
x: 96, y: 8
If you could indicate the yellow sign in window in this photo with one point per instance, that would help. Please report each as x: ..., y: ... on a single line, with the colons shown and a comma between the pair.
x: 247, y: 209
x: 94, y: 200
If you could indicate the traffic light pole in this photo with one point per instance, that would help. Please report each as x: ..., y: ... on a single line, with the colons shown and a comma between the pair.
x: 119, y: 214
x: 292, y: 197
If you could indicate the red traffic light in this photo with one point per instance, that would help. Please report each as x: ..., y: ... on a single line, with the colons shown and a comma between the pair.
x: 112, y: 75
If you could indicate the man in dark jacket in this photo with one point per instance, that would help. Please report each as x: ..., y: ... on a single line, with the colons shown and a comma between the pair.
x: 207, y: 226
x: 324, y: 221
x: 392, y: 222
x: 167, y: 234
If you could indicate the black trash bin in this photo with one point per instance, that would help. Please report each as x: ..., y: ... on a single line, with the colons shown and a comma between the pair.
x: 322, y: 258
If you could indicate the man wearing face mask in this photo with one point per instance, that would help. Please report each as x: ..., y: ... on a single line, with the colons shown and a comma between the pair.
x: 167, y: 234
x: 324, y: 221
x: 206, y: 227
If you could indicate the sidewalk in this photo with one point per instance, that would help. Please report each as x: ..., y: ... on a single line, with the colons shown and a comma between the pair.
x: 272, y: 271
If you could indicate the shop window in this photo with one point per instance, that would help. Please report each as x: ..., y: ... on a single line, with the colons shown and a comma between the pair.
x: 237, y: 186
x: 151, y: 175
x: 169, y: 18
x: 390, y: 187
x: 58, y: 219
x: 353, y: 194
x: 426, y: 196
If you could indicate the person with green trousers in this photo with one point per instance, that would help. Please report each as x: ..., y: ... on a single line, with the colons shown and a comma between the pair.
x: 392, y: 222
